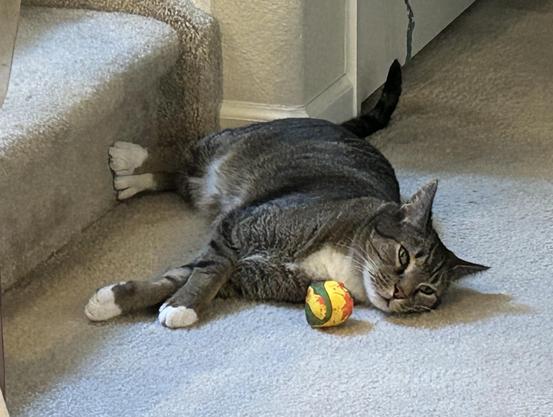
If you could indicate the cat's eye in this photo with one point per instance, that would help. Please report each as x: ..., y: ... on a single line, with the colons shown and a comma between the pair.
x: 425, y: 289
x: 403, y: 257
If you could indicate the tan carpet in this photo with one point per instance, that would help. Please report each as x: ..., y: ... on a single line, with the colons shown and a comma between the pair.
x: 192, y: 92
x: 477, y: 115
x: 80, y: 81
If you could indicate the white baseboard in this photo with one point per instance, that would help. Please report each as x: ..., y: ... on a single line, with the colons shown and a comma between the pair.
x: 335, y: 103
x: 237, y: 113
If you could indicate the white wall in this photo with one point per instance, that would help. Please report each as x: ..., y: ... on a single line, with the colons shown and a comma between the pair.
x: 282, y: 59
x: 262, y: 50
x: 381, y: 38
x: 383, y: 34
x: 9, y: 15
x: 317, y: 58
x: 324, y: 25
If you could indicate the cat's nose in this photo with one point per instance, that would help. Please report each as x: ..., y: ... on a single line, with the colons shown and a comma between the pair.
x: 398, y: 292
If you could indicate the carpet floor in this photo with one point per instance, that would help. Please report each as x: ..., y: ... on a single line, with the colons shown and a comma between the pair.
x: 476, y: 113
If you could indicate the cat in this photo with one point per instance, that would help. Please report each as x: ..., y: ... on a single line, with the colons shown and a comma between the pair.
x: 293, y: 201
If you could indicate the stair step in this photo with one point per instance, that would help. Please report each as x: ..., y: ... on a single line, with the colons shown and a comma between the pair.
x: 80, y: 81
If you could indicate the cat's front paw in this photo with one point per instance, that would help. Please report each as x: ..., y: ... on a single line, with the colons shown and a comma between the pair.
x: 177, y: 317
x: 125, y: 157
x: 102, y: 306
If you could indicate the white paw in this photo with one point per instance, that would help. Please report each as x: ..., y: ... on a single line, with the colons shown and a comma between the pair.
x: 176, y: 317
x: 125, y: 157
x: 129, y: 185
x: 101, y: 305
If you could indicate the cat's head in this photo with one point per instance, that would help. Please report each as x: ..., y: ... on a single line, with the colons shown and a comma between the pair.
x: 406, y: 267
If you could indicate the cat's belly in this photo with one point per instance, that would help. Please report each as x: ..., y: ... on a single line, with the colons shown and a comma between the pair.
x: 329, y: 263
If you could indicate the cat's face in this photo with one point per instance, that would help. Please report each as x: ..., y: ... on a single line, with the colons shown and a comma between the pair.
x: 406, y: 268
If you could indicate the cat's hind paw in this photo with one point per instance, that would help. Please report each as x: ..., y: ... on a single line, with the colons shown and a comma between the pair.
x: 125, y: 157
x: 129, y: 185
x: 177, y: 317
x: 102, y: 306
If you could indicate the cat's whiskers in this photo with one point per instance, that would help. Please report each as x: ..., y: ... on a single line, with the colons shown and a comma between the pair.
x: 382, y: 282
x: 361, y: 263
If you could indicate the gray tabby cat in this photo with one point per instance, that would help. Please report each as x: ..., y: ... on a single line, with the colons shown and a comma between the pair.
x: 293, y: 201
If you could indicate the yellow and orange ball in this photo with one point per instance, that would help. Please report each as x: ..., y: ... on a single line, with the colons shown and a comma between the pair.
x: 327, y: 304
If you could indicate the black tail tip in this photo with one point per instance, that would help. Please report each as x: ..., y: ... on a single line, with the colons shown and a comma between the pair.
x: 393, y: 81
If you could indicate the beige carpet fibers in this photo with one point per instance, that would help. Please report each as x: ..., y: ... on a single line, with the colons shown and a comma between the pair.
x: 80, y: 81
x: 477, y: 114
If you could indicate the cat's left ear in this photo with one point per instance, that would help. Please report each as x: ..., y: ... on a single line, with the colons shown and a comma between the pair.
x: 460, y: 268
x: 418, y: 210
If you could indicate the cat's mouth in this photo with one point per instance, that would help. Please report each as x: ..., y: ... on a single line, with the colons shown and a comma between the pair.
x: 386, y: 298
x: 391, y: 304
x: 378, y: 300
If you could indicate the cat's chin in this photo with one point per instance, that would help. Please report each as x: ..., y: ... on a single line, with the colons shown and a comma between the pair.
x: 387, y: 305
x: 395, y: 306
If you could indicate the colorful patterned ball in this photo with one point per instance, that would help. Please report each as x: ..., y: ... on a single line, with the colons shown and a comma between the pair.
x: 327, y: 304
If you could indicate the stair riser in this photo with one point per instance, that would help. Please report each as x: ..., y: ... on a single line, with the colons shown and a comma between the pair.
x: 74, y: 169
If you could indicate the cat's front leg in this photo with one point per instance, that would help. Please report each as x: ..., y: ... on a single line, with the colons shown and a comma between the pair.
x: 211, y: 271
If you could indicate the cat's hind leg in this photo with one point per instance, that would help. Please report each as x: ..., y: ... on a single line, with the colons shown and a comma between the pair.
x: 125, y: 157
x: 116, y: 299
x: 129, y: 185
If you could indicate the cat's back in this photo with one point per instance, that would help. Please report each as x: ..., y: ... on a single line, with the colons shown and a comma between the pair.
x: 310, y: 158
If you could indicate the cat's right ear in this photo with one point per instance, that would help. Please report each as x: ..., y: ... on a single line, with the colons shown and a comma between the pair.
x: 418, y: 210
x: 460, y: 268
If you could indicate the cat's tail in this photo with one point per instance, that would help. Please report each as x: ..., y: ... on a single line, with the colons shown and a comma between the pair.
x: 378, y: 118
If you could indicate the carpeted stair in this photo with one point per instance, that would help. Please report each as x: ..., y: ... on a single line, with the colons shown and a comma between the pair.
x: 476, y: 113
x: 82, y: 80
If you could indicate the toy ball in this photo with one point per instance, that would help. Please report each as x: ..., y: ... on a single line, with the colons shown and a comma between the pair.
x: 327, y: 304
